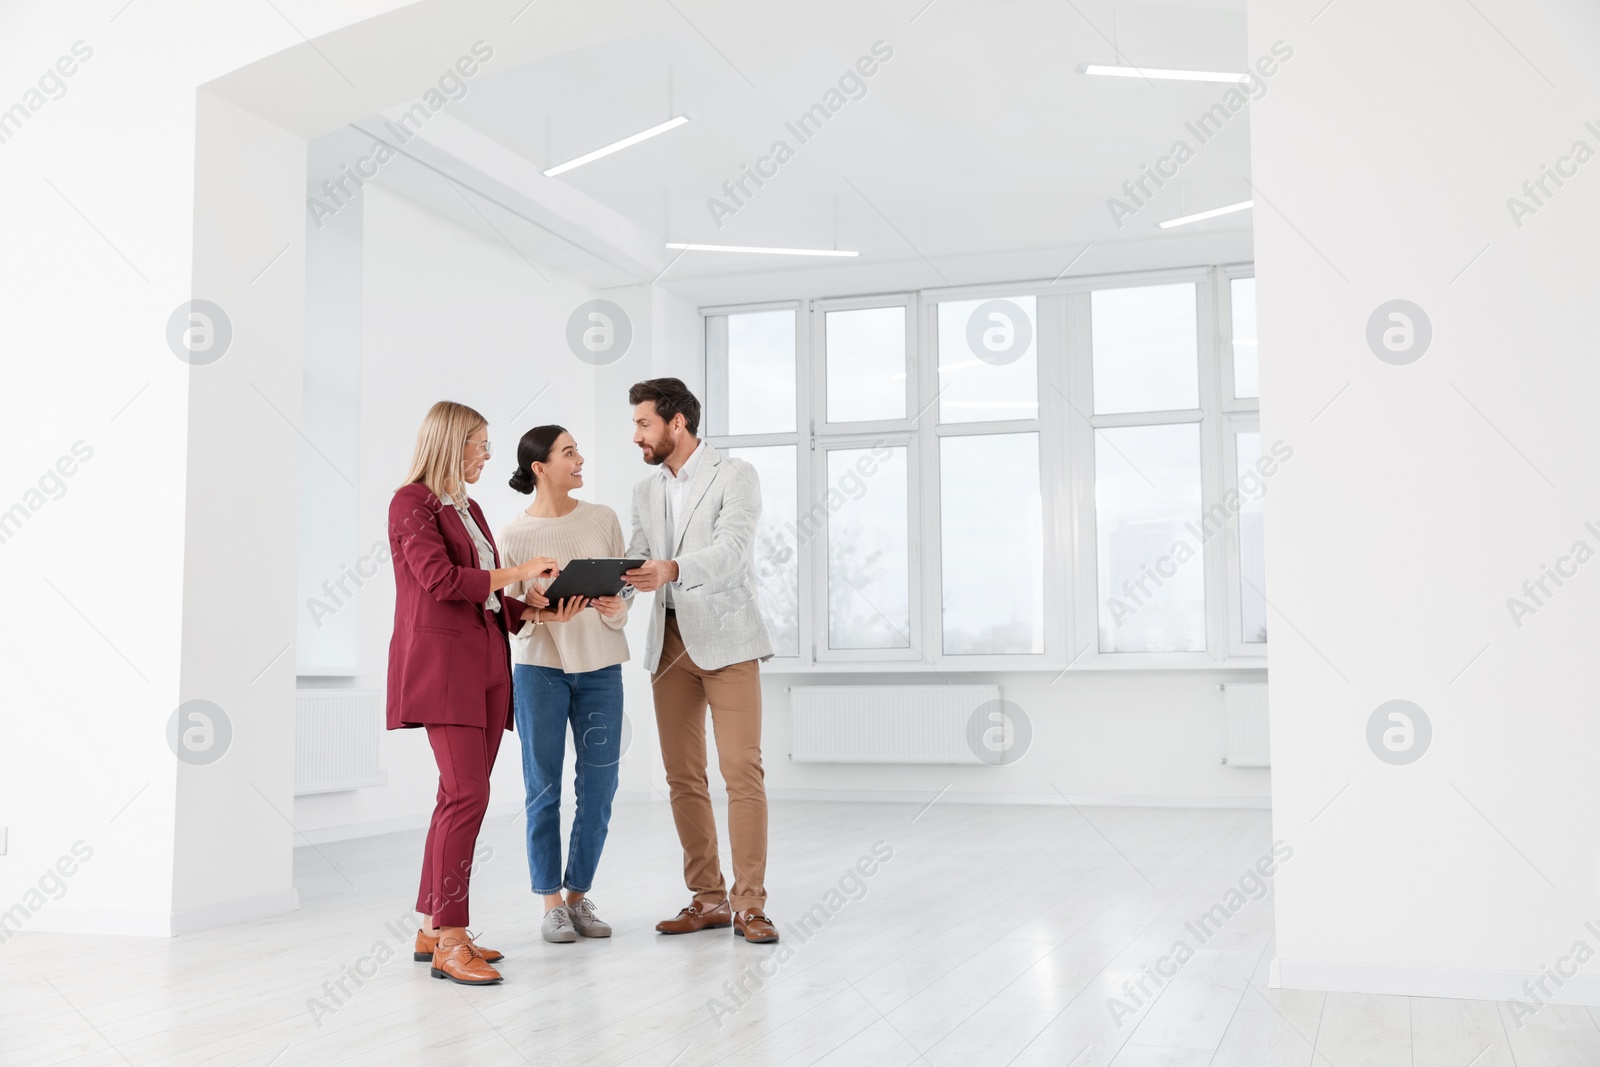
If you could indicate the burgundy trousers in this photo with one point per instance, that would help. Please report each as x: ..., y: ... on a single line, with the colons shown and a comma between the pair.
x: 465, y: 755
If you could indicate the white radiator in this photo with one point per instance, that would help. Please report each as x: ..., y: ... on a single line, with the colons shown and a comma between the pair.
x: 336, y: 735
x: 1248, y: 740
x: 885, y: 724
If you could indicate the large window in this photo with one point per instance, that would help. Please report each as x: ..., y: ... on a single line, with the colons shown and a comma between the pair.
x: 1144, y: 344
x: 1246, y: 371
x: 1006, y: 477
x: 1252, y: 555
x: 991, y: 539
x: 779, y: 539
x: 750, y: 359
x: 1147, y: 508
x: 866, y: 364
x: 1146, y: 349
x: 869, y: 548
x: 988, y: 362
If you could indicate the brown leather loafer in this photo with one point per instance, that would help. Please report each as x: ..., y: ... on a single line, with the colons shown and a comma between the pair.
x: 754, y: 926
x: 697, y: 916
x: 423, y: 952
x: 458, y: 961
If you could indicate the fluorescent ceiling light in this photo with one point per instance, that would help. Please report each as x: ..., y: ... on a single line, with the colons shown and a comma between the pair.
x: 1157, y: 72
x: 766, y: 251
x: 1213, y: 213
x: 643, y: 135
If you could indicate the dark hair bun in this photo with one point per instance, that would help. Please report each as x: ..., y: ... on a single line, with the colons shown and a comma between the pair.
x: 534, y: 447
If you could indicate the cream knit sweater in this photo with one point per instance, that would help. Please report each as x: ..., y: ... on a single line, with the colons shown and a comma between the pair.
x: 590, y: 640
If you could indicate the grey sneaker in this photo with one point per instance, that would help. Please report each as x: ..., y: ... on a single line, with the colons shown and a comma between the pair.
x: 588, y: 923
x: 557, y: 925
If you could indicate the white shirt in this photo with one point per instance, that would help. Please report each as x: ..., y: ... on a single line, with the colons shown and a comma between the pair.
x: 676, y: 486
x: 485, y: 550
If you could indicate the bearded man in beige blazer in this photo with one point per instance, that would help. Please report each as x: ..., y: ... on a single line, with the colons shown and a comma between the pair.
x: 694, y: 521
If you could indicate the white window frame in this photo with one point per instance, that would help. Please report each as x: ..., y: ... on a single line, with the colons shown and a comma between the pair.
x: 1237, y: 423
x: 818, y: 376
x: 1241, y: 415
x: 1065, y: 425
x: 1051, y: 470
x: 825, y: 437
x: 801, y: 323
x: 1224, y: 303
x: 796, y: 437
x: 916, y: 647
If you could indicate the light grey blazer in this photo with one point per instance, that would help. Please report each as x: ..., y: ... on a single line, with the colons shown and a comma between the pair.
x: 715, y: 595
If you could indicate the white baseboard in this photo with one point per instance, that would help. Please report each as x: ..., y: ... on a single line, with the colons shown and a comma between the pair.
x: 162, y: 923
x: 1088, y: 800
x: 1454, y: 982
x: 955, y: 796
x: 100, y: 921
x: 419, y: 820
x: 242, y: 910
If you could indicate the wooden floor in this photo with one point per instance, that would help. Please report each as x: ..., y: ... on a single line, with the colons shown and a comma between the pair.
x: 993, y: 935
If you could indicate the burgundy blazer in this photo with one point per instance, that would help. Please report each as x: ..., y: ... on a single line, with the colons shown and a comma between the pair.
x: 438, y: 674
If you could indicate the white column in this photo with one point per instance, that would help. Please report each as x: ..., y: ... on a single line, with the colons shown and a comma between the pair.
x: 1435, y: 470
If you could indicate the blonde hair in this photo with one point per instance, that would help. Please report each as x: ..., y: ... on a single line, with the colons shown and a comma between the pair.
x: 441, y: 442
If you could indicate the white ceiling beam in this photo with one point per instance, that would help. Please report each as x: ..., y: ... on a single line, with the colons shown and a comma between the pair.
x: 495, y: 172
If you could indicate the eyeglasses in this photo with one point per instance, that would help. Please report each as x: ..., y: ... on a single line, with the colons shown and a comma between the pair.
x: 484, y: 447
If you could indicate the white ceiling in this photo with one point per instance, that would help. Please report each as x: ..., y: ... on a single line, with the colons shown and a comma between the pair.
x: 976, y: 154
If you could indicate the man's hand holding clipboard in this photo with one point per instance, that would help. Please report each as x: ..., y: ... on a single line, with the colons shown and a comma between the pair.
x: 650, y: 575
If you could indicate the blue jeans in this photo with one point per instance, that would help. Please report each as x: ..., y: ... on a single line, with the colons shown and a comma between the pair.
x: 547, y: 701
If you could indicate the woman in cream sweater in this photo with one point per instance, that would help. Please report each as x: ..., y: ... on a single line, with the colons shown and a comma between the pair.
x: 566, y: 670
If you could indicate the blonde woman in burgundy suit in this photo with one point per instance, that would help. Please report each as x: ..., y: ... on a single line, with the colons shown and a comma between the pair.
x: 449, y: 665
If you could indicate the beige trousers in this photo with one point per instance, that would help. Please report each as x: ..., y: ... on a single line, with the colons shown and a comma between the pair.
x: 682, y: 693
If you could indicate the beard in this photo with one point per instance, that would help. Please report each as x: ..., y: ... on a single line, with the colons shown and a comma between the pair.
x: 658, y: 451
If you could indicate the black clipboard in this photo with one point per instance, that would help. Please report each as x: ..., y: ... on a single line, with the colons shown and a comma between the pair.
x: 590, y: 578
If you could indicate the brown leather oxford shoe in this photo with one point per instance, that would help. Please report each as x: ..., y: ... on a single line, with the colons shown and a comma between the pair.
x: 697, y: 916
x: 754, y: 926
x: 458, y: 961
x: 423, y: 951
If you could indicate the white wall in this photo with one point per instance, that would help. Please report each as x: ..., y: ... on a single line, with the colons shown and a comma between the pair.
x: 116, y: 578
x: 330, y: 548
x: 1098, y: 737
x: 150, y: 503
x: 1426, y: 494
x: 242, y: 515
